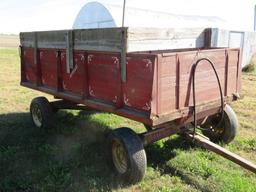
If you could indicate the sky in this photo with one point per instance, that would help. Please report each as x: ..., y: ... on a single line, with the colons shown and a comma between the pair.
x: 36, y: 15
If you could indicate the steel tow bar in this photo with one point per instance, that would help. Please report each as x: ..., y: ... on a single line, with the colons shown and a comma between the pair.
x: 205, y: 143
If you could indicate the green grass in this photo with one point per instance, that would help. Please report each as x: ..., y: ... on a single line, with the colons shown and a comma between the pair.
x: 71, y: 157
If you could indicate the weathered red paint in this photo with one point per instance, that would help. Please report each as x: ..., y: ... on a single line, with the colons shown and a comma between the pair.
x: 158, y: 83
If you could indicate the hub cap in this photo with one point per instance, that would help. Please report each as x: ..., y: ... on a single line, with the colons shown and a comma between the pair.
x: 119, y: 156
x: 36, y: 115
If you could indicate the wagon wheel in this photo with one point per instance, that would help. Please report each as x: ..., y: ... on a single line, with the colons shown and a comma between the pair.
x: 41, y: 112
x: 225, y: 130
x: 128, y: 157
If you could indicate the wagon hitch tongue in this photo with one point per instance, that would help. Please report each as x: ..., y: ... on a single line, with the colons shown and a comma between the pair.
x: 198, y: 139
x: 207, y: 144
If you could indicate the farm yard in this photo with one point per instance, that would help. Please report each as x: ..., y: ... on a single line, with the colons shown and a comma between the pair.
x: 71, y: 156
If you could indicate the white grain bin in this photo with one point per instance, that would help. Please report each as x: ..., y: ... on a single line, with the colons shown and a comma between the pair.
x: 99, y: 14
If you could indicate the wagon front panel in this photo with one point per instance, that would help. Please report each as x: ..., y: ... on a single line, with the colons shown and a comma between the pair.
x: 174, y: 96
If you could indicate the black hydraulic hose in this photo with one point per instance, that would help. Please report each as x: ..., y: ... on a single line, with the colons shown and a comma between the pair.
x: 194, y: 92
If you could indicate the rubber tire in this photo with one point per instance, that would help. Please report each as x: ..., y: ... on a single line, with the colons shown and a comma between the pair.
x: 46, y: 112
x: 136, y: 156
x: 230, y: 124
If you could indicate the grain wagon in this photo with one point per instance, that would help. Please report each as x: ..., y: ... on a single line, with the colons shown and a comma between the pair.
x: 170, y: 91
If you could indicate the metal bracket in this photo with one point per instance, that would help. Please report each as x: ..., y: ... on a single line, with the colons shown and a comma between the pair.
x: 69, y: 51
x: 37, y: 61
x: 123, y: 55
x: 35, y: 48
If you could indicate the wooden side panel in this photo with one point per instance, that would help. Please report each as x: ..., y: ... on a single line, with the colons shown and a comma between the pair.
x: 48, y: 63
x: 233, y: 75
x: 175, y: 78
x: 137, y: 91
x: 141, y: 39
x: 154, y: 92
x: 158, y: 84
x: 104, y: 77
x: 205, y: 80
x: 95, y: 76
x: 239, y: 73
x: 29, y: 66
x: 108, y: 39
x: 74, y: 81
x: 167, y: 84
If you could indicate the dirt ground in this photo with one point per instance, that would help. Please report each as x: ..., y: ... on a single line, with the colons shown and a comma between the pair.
x: 9, y: 41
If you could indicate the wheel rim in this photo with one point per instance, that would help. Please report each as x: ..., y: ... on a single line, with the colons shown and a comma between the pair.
x: 119, y: 156
x: 36, y: 115
x: 216, y: 127
x: 217, y: 131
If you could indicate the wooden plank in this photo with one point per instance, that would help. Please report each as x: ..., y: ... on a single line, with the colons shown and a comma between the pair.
x: 108, y: 39
x: 112, y: 39
x: 186, y: 111
x: 140, y: 39
x: 140, y: 34
x: 46, y: 39
x: 205, y: 143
